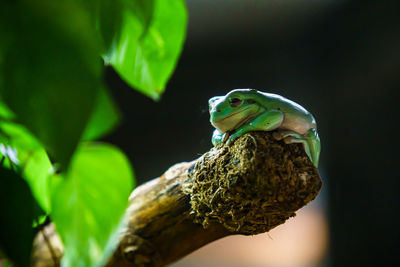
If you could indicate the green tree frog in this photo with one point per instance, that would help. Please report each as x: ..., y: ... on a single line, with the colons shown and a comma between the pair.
x: 244, y: 110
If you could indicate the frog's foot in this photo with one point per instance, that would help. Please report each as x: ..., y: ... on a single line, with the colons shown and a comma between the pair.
x: 287, y: 136
x: 219, y: 137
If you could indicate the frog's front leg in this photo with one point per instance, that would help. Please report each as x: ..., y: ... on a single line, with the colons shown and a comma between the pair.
x: 218, y: 137
x: 310, y: 141
x: 267, y: 121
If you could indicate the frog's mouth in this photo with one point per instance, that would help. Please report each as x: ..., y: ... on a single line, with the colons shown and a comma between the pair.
x: 231, y: 115
x: 224, y: 125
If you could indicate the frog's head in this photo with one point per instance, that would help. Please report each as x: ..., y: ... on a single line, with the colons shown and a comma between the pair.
x: 232, y: 110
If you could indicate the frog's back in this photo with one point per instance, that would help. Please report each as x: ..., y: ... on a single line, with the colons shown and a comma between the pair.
x: 297, y: 118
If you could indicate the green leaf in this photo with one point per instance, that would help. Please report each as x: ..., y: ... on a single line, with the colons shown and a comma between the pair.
x: 104, y: 118
x: 89, y: 202
x: 5, y: 112
x: 107, y: 18
x: 52, y: 72
x: 149, y: 44
x: 36, y: 171
x: 16, y: 217
x: 6, y: 12
x: 32, y: 160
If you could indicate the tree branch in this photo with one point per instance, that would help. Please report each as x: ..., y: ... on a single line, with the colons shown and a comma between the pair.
x: 247, y: 188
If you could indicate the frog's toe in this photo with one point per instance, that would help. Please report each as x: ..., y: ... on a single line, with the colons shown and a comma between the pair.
x: 293, y: 139
x: 229, y: 141
x: 291, y: 136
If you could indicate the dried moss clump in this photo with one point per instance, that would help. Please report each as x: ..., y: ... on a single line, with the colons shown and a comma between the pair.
x: 253, y: 185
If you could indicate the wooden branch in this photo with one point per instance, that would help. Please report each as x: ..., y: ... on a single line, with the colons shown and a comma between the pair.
x: 247, y: 188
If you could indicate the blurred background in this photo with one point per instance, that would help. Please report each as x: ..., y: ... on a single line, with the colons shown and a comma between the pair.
x: 341, y: 61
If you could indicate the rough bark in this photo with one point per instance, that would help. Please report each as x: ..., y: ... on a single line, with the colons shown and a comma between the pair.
x: 247, y: 188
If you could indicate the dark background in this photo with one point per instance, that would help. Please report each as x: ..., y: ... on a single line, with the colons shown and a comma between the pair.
x: 339, y: 59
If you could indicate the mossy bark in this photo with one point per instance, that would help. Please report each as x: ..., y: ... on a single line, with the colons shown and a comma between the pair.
x: 247, y: 188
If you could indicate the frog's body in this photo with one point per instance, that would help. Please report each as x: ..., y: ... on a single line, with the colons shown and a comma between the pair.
x: 244, y: 110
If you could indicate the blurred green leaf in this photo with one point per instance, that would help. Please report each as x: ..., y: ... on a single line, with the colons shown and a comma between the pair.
x: 36, y: 171
x: 40, y: 219
x: 104, y: 118
x: 52, y: 72
x: 107, y: 17
x: 32, y: 160
x: 88, y: 205
x: 148, y: 46
x: 6, y: 12
x: 16, y: 216
x: 5, y: 112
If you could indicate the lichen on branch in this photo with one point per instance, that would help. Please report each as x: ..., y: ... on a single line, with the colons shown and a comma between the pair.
x: 253, y: 185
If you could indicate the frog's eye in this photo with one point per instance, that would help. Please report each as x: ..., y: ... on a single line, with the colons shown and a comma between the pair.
x: 235, y: 102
